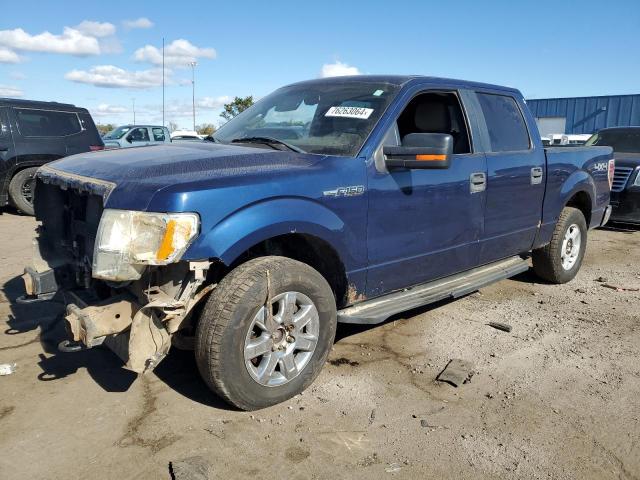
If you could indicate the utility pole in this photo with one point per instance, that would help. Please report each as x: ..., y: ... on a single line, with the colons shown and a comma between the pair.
x: 133, y: 100
x: 193, y: 91
x: 163, y: 81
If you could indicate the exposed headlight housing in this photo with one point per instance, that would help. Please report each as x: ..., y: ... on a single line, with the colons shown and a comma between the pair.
x: 128, y: 241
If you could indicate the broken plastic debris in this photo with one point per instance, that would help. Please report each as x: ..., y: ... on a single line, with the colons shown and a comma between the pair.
x: 7, y: 368
x: 456, y: 372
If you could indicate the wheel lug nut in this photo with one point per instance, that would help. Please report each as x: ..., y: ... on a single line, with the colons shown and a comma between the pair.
x: 290, y: 339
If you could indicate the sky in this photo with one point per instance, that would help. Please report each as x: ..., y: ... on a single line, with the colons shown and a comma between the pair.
x: 106, y: 55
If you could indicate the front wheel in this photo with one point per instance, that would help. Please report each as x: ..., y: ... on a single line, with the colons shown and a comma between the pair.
x: 265, y: 332
x: 21, y: 190
x: 560, y: 260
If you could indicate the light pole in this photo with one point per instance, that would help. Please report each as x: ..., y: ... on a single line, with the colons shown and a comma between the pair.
x: 133, y: 101
x: 193, y: 91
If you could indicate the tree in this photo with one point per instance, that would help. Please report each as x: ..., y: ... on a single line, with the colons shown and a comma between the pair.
x: 173, y: 126
x: 206, y: 129
x: 238, y: 105
x: 104, y: 128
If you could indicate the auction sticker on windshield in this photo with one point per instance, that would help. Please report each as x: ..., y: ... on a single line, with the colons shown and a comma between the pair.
x: 349, y: 112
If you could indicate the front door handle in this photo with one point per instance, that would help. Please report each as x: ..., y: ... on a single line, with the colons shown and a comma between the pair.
x: 536, y: 175
x: 478, y: 182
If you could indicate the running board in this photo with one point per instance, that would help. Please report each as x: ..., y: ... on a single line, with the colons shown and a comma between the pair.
x: 377, y: 310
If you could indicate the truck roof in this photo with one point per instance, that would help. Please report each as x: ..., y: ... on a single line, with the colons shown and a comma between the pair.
x: 401, y: 80
x: 14, y: 102
x: 133, y: 125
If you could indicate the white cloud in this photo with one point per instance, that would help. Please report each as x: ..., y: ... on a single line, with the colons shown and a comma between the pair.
x: 178, y: 53
x: 104, y: 110
x: 10, y: 91
x: 9, y: 56
x: 72, y: 42
x: 142, y: 22
x: 110, y: 76
x: 17, y: 75
x: 176, y: 109
x: 96, y: 29
x: 338, y: 69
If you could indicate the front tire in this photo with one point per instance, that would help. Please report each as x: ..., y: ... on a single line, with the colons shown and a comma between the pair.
x: 560, y: 260
x: 21, y: 190
x: 253, y: 359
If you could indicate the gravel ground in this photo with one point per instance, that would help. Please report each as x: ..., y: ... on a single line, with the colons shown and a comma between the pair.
x: 557, y: 397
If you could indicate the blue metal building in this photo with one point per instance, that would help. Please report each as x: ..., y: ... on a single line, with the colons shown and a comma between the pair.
x: 585, y: 114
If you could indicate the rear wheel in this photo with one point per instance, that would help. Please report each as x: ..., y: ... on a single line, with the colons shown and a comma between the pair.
x: 561, y: 259
x: 21, y: 190
x: 263, y: 338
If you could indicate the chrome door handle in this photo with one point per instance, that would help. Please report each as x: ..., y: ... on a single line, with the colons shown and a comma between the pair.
x: 536, y: 175
x: 478, y: 182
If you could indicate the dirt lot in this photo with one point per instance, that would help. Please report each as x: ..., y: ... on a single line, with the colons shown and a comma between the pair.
x: 558, y: 397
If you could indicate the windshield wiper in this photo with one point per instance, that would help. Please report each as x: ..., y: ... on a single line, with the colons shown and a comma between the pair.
x: 268, y: 141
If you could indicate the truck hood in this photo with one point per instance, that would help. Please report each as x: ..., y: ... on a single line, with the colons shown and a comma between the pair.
x: 627, y: 159
x: 137, y: 173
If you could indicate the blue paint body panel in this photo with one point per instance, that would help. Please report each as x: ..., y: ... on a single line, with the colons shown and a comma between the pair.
x: 403, y: 228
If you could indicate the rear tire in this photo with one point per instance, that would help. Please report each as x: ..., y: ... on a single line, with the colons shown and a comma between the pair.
x: 253, y: 363
x: 560, y: 260
x: 21, y: 189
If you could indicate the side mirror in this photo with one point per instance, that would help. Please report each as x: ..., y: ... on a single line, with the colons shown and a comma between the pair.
x: 420, y: 150
x: 129, y: 138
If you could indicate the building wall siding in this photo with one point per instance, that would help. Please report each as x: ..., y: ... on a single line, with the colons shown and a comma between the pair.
x: 589, y: 114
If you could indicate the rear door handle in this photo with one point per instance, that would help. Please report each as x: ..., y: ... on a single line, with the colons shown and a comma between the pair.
x: 478, y: 182
x: 536, y: 175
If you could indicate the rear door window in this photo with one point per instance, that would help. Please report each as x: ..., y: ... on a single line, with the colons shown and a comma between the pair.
x: 47, y: 123
x: 158, y: 134
x: 507, y: 129
x: 139, y: 135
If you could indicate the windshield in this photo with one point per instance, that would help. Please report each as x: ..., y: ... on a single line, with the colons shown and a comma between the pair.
x: 328, y: 119
x: 117, y: 133
x: 624, y: 141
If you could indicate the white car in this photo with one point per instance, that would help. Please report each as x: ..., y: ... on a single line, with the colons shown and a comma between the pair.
x: 188, y: 135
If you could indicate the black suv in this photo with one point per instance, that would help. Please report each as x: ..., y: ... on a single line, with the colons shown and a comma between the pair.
x: 625, y: 192
x: 34, y: 133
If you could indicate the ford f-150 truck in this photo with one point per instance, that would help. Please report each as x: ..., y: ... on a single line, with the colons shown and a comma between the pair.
x: 335, y: 200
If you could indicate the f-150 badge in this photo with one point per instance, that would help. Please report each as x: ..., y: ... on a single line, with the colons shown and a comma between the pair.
x: 351, y: 191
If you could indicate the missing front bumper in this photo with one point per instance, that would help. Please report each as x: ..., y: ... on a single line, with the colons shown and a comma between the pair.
x: 132, y: 331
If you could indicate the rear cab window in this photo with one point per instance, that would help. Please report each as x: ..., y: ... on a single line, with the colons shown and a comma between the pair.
x: 506, y: 126
x: 47, y: 123
x: 158, y: 134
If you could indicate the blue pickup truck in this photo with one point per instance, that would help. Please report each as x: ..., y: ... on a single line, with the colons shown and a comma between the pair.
x: 335, y: 200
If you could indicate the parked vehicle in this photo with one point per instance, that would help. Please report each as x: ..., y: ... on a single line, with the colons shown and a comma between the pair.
x: 625, y: 192
x: 187, y: 135
x: 33, y: 133
x: 347, y: 199
x: 136, y: 136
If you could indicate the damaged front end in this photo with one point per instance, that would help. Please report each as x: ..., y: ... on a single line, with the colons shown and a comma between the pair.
x: 119, y: 272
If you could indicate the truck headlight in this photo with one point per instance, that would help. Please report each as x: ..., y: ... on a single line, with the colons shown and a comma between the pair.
x: 636, y: 183
x: 127, y: 241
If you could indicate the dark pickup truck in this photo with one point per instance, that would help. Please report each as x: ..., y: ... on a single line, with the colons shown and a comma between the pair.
x: 625, y: 191
x: 336, y: 200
